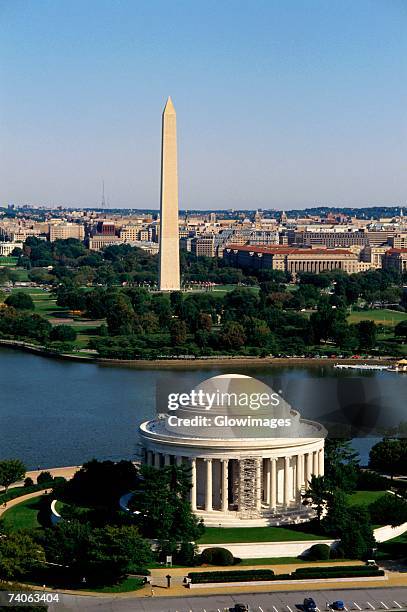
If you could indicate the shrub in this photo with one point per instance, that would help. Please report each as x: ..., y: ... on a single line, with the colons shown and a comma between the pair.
x: 337, y: 553
x: 28, y: 482
x: 63, y: 333
x: 20, y: 300
x: 370, y: 481
x: 186, y: 553
x: 232, y: 576
x: 319, y: 552
x: 388, y: 509
x: 217, y: 556
x: 334, y: 569
x: 44, y: 478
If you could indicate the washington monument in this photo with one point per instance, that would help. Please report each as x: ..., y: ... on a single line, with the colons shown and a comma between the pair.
x: 169, y: 234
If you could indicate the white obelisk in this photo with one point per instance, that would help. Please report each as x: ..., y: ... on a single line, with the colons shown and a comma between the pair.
x: 169, y: 232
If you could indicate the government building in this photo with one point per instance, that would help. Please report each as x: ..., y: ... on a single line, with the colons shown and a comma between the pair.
x: 241, y: 476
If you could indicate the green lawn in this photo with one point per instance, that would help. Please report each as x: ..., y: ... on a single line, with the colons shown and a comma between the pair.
x: 393, y: 549
x: 285, y: 561
x: 125, y: 586
x: 384, y: 316
x: 24, y: 515
x: 364, y: 498
x: 228, y: 535
x: 8, y: 261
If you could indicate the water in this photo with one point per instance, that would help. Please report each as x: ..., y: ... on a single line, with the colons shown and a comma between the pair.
x: 56, y: 413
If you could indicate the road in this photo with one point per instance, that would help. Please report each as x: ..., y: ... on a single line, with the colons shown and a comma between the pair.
x: 356, y: 600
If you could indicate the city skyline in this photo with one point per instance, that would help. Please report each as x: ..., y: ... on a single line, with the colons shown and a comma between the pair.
x: 282, y: 105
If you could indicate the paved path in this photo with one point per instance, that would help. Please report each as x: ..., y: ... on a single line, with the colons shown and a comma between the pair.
x: 19, y: 500
x: 356, y: 600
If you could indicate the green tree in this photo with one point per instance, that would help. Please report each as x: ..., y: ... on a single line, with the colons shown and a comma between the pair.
x: 341, y: 464
x: 20, y: 300
x: 385, y: 456
x: 336, y: 513
x: 357, y: 539
x: 63, y: 333
x: 391, y: 508
x: 11, y: 470
x: 401, y: 329
x: 317, y: 495
x: 120, y: 316
x: 162, y: 499
x: 19, y: 554
x: 178, y: 331
x: 45, y: 478
x: 232, y: 335
x: 366, y: 332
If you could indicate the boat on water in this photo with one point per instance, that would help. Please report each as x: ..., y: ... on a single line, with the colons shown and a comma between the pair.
x: 360, y: 366
x: 399, y: 366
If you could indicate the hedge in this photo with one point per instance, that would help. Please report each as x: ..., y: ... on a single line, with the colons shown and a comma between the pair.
x: 339, y: 574
x: 333, y: 569
x: 305, y: 573
x: 232, y: 576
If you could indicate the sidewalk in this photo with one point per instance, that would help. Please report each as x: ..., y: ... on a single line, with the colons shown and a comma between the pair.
x: 19, y: 500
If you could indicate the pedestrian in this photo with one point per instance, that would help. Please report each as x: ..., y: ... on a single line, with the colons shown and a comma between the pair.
x: 152, y: 591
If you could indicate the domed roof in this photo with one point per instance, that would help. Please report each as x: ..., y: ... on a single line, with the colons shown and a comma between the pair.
x: 233, y: 406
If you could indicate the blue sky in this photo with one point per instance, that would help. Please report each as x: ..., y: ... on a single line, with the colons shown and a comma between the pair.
x: 280, y: 104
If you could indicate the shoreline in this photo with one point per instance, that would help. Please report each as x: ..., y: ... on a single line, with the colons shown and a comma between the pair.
x: 238, y: 361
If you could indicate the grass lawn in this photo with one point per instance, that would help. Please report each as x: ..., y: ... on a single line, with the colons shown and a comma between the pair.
x: 393, y: 549
x: 285, y: 561
x: 228, y: 535
x: 23, y: 516
x: 382, y: 316
x: 126, y: 585
x: 20, y: 274
x: 364, y: 498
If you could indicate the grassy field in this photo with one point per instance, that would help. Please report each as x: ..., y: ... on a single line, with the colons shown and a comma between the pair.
x: 125, y: 586
x: 393, y: 549
x: 8, y: 261
x: 228, y: 535
x: 383, y: 316
x: 45, y: 304
x: 23, y: 516
x: 364, y: 498
x: 285, y: 561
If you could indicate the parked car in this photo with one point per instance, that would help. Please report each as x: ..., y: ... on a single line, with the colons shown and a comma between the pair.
x: 239, y: 607
x: 337, y: 605
x: 309, y: 605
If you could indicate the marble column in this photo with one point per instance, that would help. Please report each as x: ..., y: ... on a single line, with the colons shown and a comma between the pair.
x: 321, y: 462
x: 178, y: 460
x: 258, y: 484
x: 266, y: 480
x: 208, y: 496
x: 193, y: 483
x: 286, y: 482
x: 273, y: 483
x: 309, y: 469
x: 315, y: 468
x: 300, y: 464
x: 149, y: 458
x: 167, y: 460
x: 225, y: 485
x: 157, y: 460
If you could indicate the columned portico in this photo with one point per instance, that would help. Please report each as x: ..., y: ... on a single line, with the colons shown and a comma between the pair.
x: 238, y: 480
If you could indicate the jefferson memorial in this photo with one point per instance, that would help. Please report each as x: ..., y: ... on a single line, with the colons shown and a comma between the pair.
x: 249, y: 466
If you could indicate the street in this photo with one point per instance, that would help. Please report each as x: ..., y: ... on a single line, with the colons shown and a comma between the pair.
x: 356, y: 600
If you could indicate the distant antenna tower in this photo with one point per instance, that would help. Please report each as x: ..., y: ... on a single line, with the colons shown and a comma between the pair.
x: 103, y: 203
